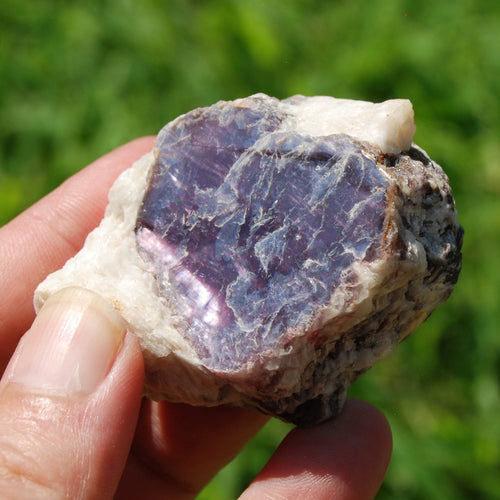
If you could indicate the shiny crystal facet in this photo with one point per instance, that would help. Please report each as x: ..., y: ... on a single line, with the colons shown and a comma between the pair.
x: 249, y: 230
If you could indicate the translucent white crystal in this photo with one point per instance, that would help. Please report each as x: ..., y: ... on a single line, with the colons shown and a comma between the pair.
x: 388, y: 125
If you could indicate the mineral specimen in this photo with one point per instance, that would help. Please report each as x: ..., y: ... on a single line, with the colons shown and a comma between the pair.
x: 268, y: 252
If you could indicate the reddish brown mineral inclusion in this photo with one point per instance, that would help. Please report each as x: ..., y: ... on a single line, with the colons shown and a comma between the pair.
x: 249, y: 230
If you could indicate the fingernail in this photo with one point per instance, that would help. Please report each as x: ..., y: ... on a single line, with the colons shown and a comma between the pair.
x: 71, y: 345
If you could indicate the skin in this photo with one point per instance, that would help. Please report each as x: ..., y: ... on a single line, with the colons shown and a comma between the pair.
x: 112, y: 443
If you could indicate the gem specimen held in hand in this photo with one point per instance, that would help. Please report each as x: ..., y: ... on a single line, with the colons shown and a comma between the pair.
x: 269, y: 252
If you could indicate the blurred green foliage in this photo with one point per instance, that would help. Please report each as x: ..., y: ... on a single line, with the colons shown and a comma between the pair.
x: 79, y: 78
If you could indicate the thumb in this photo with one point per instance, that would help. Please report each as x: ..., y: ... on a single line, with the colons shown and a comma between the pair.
x: 69, y: 401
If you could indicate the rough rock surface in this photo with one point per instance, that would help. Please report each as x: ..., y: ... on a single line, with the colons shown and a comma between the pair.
x: 269, y: 252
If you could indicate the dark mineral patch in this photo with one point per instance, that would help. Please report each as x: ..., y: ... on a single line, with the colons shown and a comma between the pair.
x: 249, y: 229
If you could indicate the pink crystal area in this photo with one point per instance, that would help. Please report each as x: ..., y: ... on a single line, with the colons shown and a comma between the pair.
x: 248, y: 230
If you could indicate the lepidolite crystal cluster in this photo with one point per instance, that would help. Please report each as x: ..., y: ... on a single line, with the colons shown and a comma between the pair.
x: 268, y: 254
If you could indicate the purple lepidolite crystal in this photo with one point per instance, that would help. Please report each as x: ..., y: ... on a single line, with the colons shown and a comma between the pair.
x: 268, y: 252
x: 250, y: 232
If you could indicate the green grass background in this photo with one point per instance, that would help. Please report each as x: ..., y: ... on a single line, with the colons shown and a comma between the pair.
x: 80, y: 78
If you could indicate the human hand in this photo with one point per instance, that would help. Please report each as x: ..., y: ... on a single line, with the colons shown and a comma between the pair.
x: 72, y: 420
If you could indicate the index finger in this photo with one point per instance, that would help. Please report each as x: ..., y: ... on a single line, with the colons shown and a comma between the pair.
x: 42, y: 238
